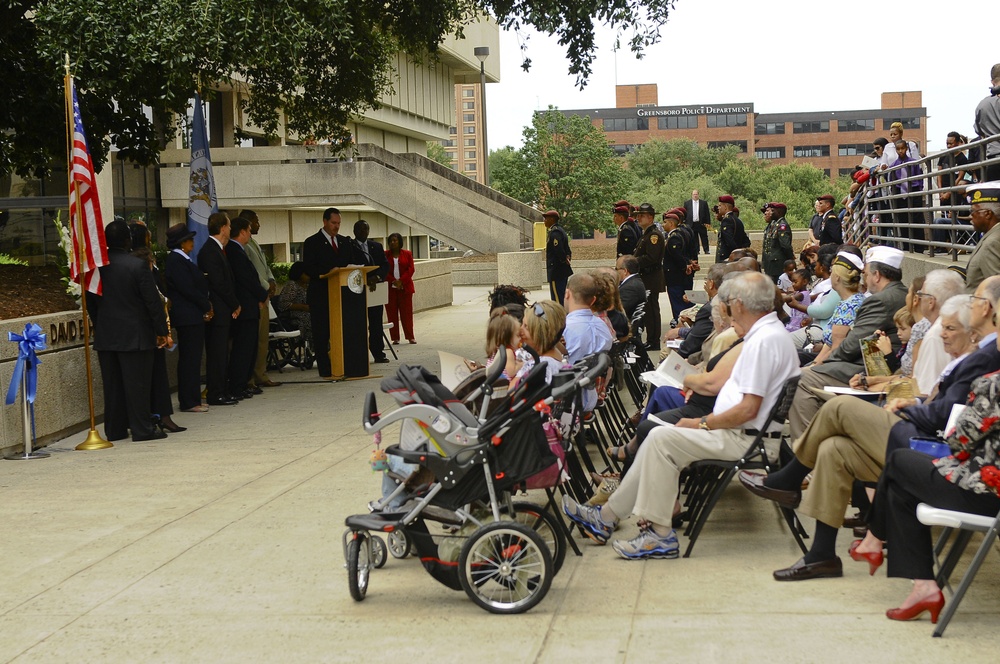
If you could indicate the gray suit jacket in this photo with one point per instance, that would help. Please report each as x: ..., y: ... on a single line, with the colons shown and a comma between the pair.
x: 875, y: 314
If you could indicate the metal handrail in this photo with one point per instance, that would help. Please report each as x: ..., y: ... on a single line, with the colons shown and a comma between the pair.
x: 868, y: 223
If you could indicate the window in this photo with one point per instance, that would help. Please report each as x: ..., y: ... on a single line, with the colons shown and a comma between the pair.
x: 468, y: 92
x: 678, y: 122
x: 855, y: 125
x: 469, y: 117
x: 853, y: 149
x: 811, y: 151
x: 452, y: 130
x: 769, y: 153
x: 471, y: 166
x: 470, y: 154
x: 468, y: 105
x: 626, y: 124
x: 769, y: 128
x: 450, y: 143
x: 471, y: 129
x: 622, y: 150
x: 718, y: 145
x: 815, y: 127
x: 727, y: 120
x: 470, y: 142
x: 908, y: 123
x: 826, y: 172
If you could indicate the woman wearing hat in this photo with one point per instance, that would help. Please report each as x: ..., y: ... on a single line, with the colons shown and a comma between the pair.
x: 190, y: 309
x: 845, y: 280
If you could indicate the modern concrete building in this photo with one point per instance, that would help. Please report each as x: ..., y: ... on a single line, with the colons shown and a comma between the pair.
x: 385, y: 179
x: 831, y: 140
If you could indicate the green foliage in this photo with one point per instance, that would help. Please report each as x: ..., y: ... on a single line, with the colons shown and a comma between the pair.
x: 567, y: 165
x: 436, y: 152
x: 10, y: 260
x: 280, y: 272
x: 666, y: 173
x: 322, y: 61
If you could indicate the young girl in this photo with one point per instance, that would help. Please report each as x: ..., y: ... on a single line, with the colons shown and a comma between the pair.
x: 800, y: 285
x: 502, y: 338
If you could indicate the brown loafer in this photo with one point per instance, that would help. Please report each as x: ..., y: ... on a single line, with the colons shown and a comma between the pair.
x: 801, y: 570
x: 268, y: 383
x: 754, y: 482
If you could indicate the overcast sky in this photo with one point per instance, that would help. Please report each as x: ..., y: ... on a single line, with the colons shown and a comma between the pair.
x: 781, y: 55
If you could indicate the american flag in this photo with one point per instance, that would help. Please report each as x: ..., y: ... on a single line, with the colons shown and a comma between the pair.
x: 83, y: 196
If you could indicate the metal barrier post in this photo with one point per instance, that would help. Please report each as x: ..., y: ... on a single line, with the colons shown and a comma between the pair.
x: 26, y: 422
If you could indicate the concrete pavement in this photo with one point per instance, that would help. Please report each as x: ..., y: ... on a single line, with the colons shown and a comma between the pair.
x: 222, y: 544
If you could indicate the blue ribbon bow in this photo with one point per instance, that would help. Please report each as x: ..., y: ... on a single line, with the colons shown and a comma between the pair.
x: 32, y: 341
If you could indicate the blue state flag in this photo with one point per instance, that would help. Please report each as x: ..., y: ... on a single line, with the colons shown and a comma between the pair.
x: 202, y: 201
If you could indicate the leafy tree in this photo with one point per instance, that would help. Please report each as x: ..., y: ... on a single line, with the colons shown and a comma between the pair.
x: 567, y: 165
x: 436, y: 152
x: 321, y: 61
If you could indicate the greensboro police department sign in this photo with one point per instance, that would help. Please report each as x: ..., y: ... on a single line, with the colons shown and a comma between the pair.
x: 692, y: 110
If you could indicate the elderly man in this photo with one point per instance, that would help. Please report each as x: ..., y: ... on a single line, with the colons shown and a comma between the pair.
x: 694, y: 336
x: 847, y: 440
x: 558, y: 256
x: 650, y: 489
x: 649, y: 253
x: 985, y: 260
x: 888, y: 295
x: 631, y: 288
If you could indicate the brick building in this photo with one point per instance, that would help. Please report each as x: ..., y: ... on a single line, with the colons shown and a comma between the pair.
x: 465, y: 141
x: 834, y: 141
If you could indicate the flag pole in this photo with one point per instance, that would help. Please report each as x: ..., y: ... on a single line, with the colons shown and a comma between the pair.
x: 94, y: 440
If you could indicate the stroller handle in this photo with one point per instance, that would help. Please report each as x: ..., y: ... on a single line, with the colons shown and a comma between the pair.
x: 588, y: 377
x: 493, y: 375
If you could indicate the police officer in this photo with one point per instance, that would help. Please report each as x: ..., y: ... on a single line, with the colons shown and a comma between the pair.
x: 557, y: 256
x: 649, y: 253
x: 676, y: 264
x: 628, y: 230
x: 831, y: 231
x: 777, y: 240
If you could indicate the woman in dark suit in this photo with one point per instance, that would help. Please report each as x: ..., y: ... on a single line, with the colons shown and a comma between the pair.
x: 190, y: 309
x: 400, y: 307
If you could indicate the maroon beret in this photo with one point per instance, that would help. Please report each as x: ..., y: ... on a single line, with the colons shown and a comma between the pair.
x: 623, y: 203
x: 672, y: 214
x: 780, y: 206
x: 622, y: 209
x: 826, y: 197
x: 681, y: 213
x: 551, y: 213
x: 727, y: 199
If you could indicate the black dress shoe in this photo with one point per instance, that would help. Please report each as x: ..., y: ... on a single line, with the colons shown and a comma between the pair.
x: 224, y: 401
x: 246, y: 394
x: 255, y: 390
x: 157, y: 435
x: 754, y: 482
x: 381, y: 360
x: 802, y: 570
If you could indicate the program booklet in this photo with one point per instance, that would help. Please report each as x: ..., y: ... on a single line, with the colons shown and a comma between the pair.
x: 671, y: 371
x: 875, y: 364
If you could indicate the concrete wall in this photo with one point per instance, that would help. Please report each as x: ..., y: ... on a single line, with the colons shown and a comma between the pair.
x: 432, y: 284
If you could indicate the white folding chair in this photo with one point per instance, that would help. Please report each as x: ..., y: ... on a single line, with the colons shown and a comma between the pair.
x: 967, y: 524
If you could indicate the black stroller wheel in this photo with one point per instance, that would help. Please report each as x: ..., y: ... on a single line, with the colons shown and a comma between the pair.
x: 358, y: 565
x: 505, y: 567
x: 399, y: 544
x: 547, y: 526
x: 379, y: 555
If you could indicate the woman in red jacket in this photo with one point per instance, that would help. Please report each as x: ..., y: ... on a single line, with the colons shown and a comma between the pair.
x: 400, y: 307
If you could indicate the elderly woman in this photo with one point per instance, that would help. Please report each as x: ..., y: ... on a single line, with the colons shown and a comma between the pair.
x: 845, y: 280
x: 847, y: 440
x: 968, y: 481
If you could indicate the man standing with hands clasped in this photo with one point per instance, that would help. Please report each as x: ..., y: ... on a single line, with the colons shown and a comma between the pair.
x: 222, y: 293
x: 373, y: 254
x: 649, y: 253
x: 557, y: 256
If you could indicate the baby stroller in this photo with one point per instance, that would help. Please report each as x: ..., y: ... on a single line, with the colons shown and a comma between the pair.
x: 504, y: 566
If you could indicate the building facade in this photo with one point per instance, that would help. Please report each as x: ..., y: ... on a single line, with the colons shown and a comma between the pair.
x: 834, y: 141
x: 465, y: 142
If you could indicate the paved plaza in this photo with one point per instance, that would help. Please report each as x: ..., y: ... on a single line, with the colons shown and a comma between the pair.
x: 222, y: 544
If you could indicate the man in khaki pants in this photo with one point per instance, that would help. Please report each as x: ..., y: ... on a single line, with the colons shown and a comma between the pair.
x: 256, y: 254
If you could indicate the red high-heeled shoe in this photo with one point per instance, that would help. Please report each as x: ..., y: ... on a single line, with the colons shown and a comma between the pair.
x: 874, y: 559
x: 932, y: 604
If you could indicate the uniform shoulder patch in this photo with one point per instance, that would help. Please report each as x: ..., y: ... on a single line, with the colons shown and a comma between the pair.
x: 782, y: 226
x: 654, y: 238
x: 555, y: 242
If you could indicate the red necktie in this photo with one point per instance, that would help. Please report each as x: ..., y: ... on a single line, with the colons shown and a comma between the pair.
x: 333, y: 243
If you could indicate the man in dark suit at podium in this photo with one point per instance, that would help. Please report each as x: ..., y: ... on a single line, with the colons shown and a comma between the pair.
x: 221, y: 291
x: 696, y: 217
x: 321, y: 253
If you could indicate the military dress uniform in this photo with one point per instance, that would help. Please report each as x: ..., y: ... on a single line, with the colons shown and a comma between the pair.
x: 649, y: 253
x: 727, y: 238
x: 675, y: 270
x: 777, y: 248
x: 628, y: 237
x: 831, y: 231
x: 557, y: 262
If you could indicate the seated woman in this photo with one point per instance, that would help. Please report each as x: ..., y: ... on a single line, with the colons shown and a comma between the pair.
x: 293, y: 299
x: 849, y: 439
x: 608, y: 305
x: 542, y: 329
x: 845, y: 279
x: 966, y: 481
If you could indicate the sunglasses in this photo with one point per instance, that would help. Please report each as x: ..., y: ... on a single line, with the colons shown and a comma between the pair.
x: 538, y: 310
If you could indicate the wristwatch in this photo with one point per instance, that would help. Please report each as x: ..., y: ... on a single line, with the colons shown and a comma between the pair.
x: 703, y: 424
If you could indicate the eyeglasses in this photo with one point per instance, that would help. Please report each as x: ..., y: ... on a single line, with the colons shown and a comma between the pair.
x: 983, y: 299
x: 977, y: 211
x: 922, y: 294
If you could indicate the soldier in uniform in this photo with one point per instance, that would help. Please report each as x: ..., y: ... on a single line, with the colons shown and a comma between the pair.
x: 777, y: 241
x: 727, y: 229
x: 676, y: 264
x: 557, y: 256
x: 649, y: 253
x: 831, y: 231
x: 628, y: 230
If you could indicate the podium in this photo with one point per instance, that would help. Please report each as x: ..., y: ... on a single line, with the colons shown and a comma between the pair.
x: 347, y: 289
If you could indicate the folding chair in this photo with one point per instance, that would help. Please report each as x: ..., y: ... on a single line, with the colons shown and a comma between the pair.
x: 282, y: 343
x: 966, y: 524
x: 708, y: 478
